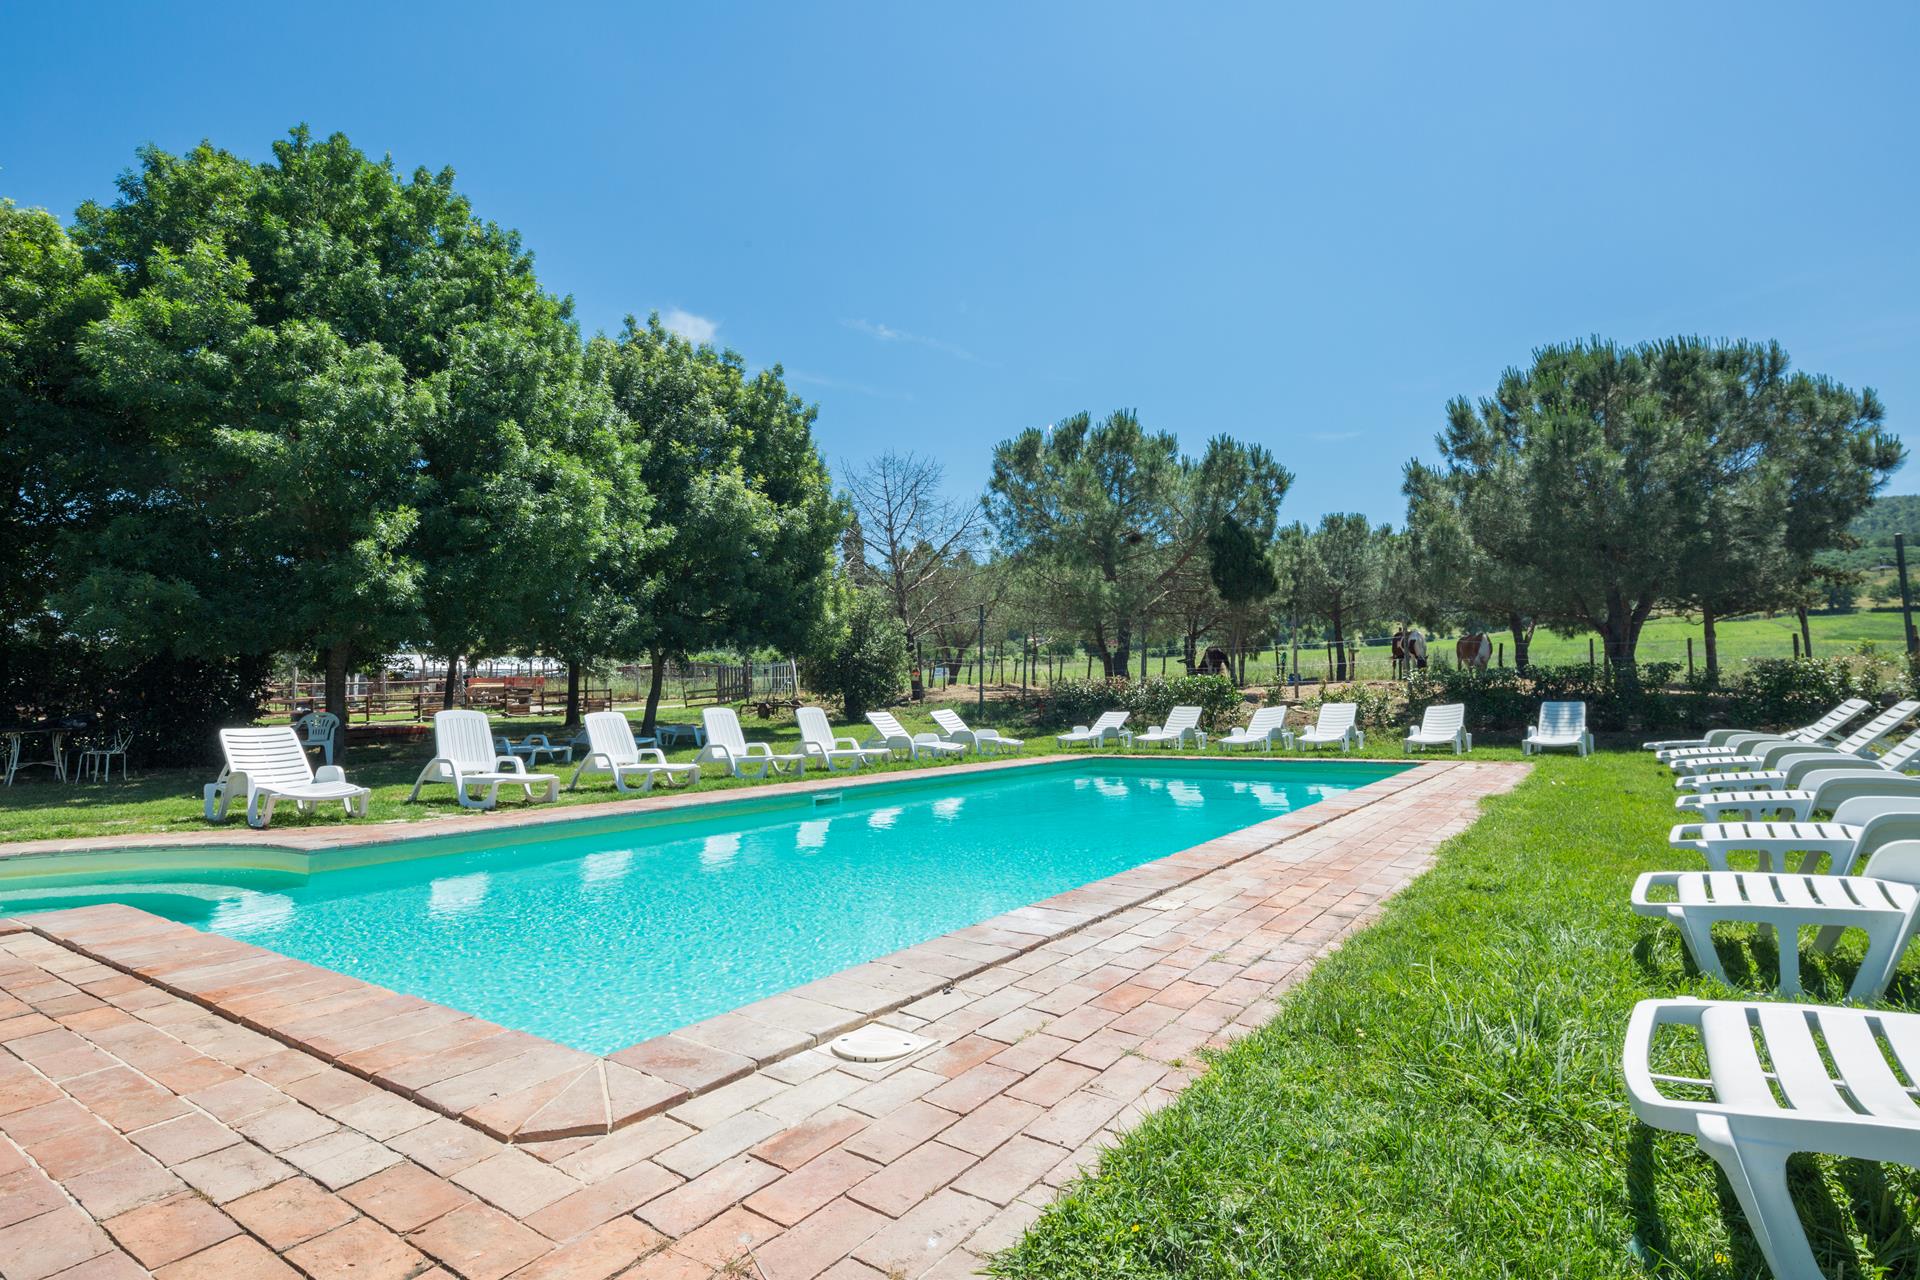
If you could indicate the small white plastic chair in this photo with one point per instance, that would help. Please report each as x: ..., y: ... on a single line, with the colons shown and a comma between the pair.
x: 728, y: 745
x: 1262, y: 729
x: 1562, y: 724
x: 1860, y: 1106
x: 464, y: 756
x: 96, y: 760
x: 983, y: 741
x: 267, y: 765
x: 319, y: 729
x: 818, y: 742
x: 611, y: 748
x: 1444, y: 725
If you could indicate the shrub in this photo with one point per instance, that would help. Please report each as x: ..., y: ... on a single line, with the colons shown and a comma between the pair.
x: 1500, y: 698
x: 1071, y: 702
x: 860, y: 657
x: 1777, y: 691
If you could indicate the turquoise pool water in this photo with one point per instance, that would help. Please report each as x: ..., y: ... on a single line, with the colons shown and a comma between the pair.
x: 618, y: 931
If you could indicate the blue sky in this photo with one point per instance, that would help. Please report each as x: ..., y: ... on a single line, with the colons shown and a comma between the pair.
x: 1303, y: 226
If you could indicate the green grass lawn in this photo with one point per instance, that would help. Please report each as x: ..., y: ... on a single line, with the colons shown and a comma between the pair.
x: 1442, y: 1097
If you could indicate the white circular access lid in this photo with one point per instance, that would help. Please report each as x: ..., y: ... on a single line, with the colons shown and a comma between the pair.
x: 875, y: 1043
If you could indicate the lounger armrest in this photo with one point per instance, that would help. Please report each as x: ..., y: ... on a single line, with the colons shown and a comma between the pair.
x: 514, y: 764
x: 759, y: 749
x: 329, y: 773
x: 1080, y: 728
x: 846, y: 744
x: 650, y: 755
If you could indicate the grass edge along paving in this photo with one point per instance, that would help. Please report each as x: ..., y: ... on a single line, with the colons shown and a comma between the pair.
x: 1442, y: 1095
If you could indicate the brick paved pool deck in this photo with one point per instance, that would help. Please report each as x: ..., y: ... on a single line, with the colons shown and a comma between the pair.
x: 181, y: 1104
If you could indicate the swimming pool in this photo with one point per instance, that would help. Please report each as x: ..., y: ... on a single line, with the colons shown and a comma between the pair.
x: 599, y: 934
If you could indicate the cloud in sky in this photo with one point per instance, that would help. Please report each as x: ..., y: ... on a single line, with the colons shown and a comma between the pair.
x: 695, y: 329
x: 887, y: 333
x: 841, y: 384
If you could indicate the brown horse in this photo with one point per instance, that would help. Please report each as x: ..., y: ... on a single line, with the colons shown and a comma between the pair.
x: 1473, y: 650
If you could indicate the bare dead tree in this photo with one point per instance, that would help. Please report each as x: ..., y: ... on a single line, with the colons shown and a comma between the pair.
x: 913, y: 534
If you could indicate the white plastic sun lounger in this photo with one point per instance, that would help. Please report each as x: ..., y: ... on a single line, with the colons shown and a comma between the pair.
x: 611, y: 748
x: 1442, y: 726
x: 1821, y: 730
x: 463, y: 754
x: 1334, y: 724
x: 1820, y: 791
x: 267, y: 765
x: 893, y: 735
x: 1789, y: 769
x: 1562, y: 724
x: 1861, y: 1107
x: 983, y: 741
x: 1761, y: 755
x: 1859, y: 826
x: 1266, y: 726
x: 817, y: 742
x: 728, y: 745
x: 1110, y: 725
x: 1883, y: 901
x: 1182, y: 727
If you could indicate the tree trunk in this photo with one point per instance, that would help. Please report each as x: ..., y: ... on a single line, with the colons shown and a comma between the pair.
x: 1712, y: 635
x: 1806, y: 633
x: 573, y: 695
x: 1339, y: 649
x: 453, y: 678
x: 336, y: 658
x: 1522, y: 638
x: 919, y: 690
x: 654, y: 685
x: 1123, y: 653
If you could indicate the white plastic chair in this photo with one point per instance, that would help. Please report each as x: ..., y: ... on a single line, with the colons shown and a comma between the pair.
x: 817, y: 742
x: 611, y: 748
x: 1883, y: 901
x: 464, y: 756
x: 1262, y: 729
x: 1182, y: 727
x: 319, y: 729
x: 1110, y: 725
x: 1337, y: 722
x: 268, y: 765
x: 893, y: 735
x: 1858, y: 1107
x: 983, y: 741
x: 1562, y: 724
x: 1444, y: 725
x: 729, y: 746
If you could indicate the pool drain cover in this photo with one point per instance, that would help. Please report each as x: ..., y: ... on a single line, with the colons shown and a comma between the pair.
x: 876, y: 1044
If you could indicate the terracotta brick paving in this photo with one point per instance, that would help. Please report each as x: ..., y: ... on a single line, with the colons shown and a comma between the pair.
x: 178, y: 1104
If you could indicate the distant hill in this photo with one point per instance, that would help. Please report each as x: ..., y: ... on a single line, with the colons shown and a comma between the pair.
x: 1890, y: 514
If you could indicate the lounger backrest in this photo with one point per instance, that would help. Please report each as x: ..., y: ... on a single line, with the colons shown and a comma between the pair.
x: 1827, y: 723
x: 465, y: 738
x: 270, y: 756
x: 1444, y: 720
x: 1563, y: 719
x: 1873, y: 730
x: 815, y: 731
x: 1901, y: 753
x: 609, y: 734
x: 1181, y: 718
x: 1266, y: 720
x: 723, y: 729
x: 887, y: 724
x: 1109, y: 720
x: 950, y: 720
x: 1896, y: 860
x: 1335, y: 717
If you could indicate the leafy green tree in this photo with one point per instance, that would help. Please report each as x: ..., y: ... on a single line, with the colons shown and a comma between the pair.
x: 859, y: 654
x: 1113, y: 516
x: 1339, y: 573
x: 1453, y: 576
x: 1240, y: 567
x: 748, y: 522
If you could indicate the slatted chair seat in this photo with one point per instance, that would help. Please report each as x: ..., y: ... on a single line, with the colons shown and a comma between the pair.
x: 1861, y: 1106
